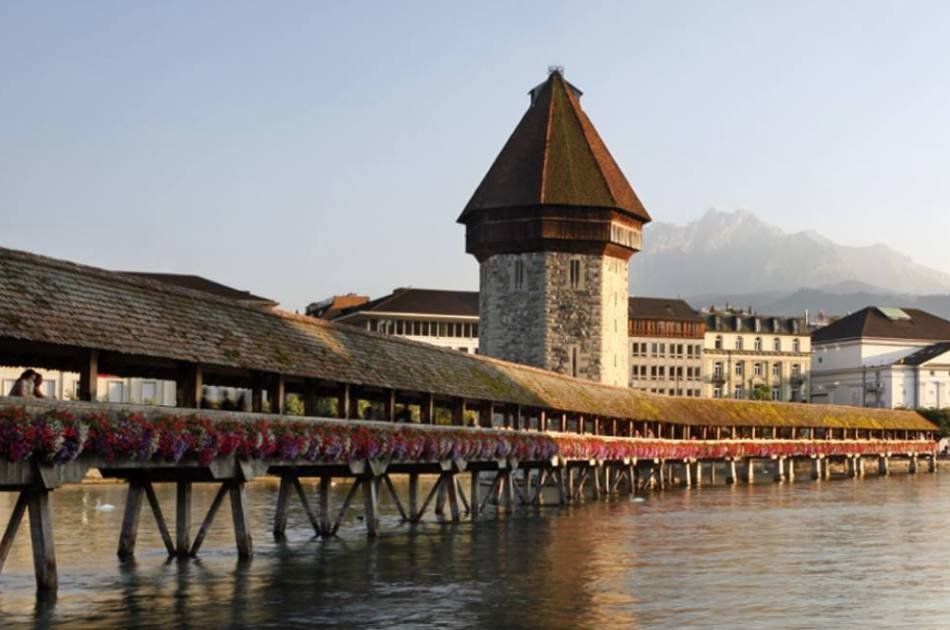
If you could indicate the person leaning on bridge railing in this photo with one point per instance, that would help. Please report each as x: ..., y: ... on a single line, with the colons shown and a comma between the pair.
x: 29, y: 385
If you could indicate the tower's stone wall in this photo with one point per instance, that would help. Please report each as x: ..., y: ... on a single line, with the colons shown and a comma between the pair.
x: 576, y: 328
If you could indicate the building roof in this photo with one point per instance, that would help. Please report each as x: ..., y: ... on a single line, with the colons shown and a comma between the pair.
x: 875, y: 323
x: 555, y: 157
x: 733, y: 321
x: 420, y: 302
x: 662, y: 309
x: 70, y: 306
x: 330, y: 308
x: 198, y: 283
x: 927, y: 354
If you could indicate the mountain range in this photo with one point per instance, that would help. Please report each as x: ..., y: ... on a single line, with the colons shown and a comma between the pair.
x: 738, y: 258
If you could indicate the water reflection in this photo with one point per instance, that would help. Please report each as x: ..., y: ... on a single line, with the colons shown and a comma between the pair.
x: 771, y: 555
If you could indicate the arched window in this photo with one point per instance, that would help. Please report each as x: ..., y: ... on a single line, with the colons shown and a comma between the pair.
x: 718, y: 342
x: 777, y: 344
x: 739, y: 343
x: 796, y: 345
x: 758, y: 343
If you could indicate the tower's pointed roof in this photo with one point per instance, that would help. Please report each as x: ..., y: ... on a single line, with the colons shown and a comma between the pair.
x: 555, y: 157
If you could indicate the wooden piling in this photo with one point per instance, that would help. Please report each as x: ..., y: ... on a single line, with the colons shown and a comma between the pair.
x: 371, y: 505
x: 130, y: 518
x: 16, y: 517
x: 283, y: 506
x: 41, y: 535
x: 473, y: 494
x: 414, y: 497
x: 326, y: 483
x: 239, y: 514
x: 182, y: 518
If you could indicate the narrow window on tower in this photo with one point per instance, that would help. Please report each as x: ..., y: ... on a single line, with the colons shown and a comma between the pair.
x: 575, y: 273
x: 518, y: 280
x: 573, y: 367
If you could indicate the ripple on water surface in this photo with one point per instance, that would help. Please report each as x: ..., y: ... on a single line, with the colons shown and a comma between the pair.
x: 801, y: 555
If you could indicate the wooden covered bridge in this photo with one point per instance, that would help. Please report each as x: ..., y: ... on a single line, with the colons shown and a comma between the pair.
x: 439, y: 412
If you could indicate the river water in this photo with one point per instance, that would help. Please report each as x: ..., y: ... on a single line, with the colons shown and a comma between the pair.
x: 805, y: 555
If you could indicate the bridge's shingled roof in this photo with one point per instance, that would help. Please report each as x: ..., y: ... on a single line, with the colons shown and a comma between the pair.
x: 46, y: 300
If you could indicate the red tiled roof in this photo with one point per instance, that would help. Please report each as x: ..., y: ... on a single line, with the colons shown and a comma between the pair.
x: 555, y: 157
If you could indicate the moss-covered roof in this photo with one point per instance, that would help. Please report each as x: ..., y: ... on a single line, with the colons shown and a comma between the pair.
x: 57, y: 302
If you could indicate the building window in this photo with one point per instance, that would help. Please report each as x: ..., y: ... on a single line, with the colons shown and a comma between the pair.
x: 776, y: 369
x: 796, y: 345
x: 717, y: 392
x: 739, y: 392
x: 575, y: 273
x: 717, y: 369
x: 718, y: 344
x: 758, y: 343
x: 757, y: 369
x: 116, y: 391
x: 796, y: 370
x: 777, y: 344
x: 519, y: 274
x: 149, y: 392
x: 740, y: 368
x: 776, y: 393
x: 739, y: 343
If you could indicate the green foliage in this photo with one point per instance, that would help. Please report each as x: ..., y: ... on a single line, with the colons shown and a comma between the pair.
x: 761, y: 392
x: 293, y: 405
x: 940, y: 417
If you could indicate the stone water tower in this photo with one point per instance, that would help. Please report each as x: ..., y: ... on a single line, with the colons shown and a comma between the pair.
x: 553, y: 225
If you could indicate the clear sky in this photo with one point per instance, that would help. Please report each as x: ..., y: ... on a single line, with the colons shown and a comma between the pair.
x: 304, y: 149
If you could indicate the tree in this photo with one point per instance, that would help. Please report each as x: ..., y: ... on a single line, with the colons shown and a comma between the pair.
x: 761, y: 392
x: 940, y: 417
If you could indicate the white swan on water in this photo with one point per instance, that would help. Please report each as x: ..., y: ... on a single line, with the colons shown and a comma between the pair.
x: 103, y: 507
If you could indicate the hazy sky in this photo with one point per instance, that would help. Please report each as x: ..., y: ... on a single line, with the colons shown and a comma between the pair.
x: 303, y: 149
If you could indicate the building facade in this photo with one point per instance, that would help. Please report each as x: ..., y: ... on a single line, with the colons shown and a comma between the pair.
x: 749, y: 356
x: 553, y: 225
x: 665, y: 337
x: 883, y: 357
x: 448, y: 319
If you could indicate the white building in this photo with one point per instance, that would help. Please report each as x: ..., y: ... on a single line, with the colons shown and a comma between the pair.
x: 883, y: 357
x: 666, y: 346
x: 448, y: 319
x: 755, y: 356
